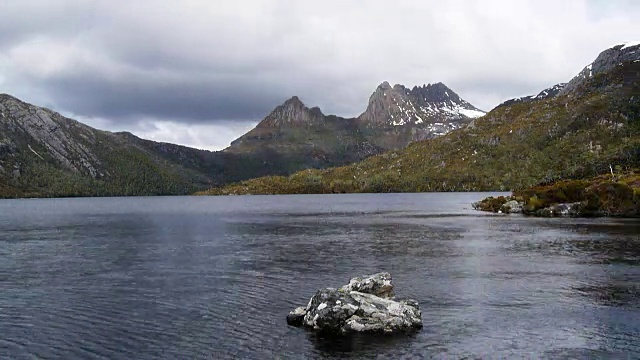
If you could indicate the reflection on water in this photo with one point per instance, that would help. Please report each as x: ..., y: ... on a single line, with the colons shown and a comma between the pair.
x: 189, y: 277
x: 363, y: 345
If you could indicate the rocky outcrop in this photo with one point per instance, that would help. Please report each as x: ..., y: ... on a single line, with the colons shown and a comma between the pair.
x: 365, y: 305
x: 604, y: 195
x: 506, y: 205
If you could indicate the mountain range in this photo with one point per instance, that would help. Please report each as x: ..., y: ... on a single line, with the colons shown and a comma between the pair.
x: 575, y: 130
x: 395, y: 117
x: 420, y: 139
x: 43, y: 153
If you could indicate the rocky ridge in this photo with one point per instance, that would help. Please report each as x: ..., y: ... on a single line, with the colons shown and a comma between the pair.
x: 544, y: 94
x: 606, y: 61
x: 395, y: 117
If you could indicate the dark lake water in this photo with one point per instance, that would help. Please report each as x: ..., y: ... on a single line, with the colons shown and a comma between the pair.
x: 214, y: 277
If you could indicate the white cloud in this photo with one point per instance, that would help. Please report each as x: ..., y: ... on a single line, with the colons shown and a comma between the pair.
x: 214, y: 136
x: 201, y: 136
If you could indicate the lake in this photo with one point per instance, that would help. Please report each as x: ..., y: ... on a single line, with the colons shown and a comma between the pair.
x: 214, y: 277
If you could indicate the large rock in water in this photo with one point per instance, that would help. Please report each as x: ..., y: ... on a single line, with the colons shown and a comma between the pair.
x: 362, y: 306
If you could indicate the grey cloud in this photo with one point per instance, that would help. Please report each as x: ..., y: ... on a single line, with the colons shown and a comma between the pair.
x: 25, y: 19
x: 194, y: 62
x: 190, y: 100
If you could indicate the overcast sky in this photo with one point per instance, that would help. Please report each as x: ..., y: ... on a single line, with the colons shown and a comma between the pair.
x: 201, y: 73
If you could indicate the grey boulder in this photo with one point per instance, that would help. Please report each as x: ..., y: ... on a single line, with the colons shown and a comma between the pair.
x: 365, y: 305
x: 379, y: 284
x: 512, y: 207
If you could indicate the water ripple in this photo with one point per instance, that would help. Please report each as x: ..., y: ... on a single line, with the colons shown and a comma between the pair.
x: 213, y: 278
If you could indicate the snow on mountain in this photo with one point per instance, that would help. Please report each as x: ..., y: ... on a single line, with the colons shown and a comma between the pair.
x: 629, y: 44
x: 544, y: 94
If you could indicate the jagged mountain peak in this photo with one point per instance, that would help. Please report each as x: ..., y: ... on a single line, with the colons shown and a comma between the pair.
x: 439, y: 86
x: 437, y: 92
x: 293, y: 101
x: 384, y: 85
x: 433, y: 107
x: 291, y: 113
x: 385, y: 89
